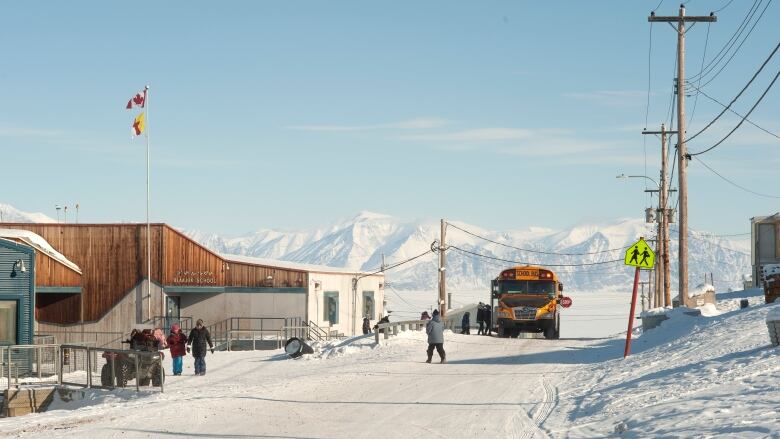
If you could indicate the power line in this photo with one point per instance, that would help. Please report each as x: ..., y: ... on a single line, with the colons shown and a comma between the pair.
x: 724, y: 7
x: 735, y: 97
x: 534, y: 251
x: 738, y: 47
x: 741, y: 121
x: 395, y: 265
x: 735, y: 184
x: 731, y: 41
x: 738, y: 114
x: 703, y: 55
x: 528, y: 263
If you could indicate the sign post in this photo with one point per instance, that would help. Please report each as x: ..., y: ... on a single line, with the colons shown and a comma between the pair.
x: 640, y: 256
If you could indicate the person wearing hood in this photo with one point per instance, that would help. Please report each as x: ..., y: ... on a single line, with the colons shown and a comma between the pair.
x: 177, y: 342
x: 465, y: 324
x: 366, y: 326
x: 435, y: 331
x: 199, y: 336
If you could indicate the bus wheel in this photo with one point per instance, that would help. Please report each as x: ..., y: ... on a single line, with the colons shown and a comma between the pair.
x: 501, y: 331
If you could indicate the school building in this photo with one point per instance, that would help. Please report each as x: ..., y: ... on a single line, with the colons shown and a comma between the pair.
x: 92, y: 278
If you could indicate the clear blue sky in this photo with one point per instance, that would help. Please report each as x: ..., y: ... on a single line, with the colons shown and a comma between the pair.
x: 291, y: 114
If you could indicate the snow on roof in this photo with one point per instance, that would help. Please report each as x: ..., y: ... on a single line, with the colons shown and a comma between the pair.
x: 770, y: 270
x: 292, y: 265
x: 37, y: 242
x: 701, y: 290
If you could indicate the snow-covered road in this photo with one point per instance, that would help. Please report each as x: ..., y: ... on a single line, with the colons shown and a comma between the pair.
x: 712, y: 376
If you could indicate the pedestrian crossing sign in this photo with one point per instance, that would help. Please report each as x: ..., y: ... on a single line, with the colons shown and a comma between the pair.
x: 640, y: 255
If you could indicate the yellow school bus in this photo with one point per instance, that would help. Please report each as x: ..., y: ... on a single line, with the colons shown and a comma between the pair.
x: 527, y: 301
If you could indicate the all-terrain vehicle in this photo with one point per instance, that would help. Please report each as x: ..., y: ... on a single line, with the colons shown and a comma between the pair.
x: 123, y: 363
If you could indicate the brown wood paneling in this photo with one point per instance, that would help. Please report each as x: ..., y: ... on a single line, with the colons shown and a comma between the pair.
x: 51, y: 273
x: 249, y: 275
x: 112, y: 258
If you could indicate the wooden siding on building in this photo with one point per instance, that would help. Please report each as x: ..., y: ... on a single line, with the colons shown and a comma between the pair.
x: 112, y: 258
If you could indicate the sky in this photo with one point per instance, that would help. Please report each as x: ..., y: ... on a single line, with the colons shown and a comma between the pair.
x: 293, y: 114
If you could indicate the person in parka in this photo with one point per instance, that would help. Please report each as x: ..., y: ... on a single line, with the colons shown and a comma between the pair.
x: 366, y: 326
x: 465, y: 324
x: 177, y: 342
x: 481, y: 318
x: 199, y: 336
x: 435, y: 331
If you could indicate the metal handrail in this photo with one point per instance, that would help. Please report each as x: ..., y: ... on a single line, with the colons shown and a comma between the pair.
x: 386, y: 328
x: 254, y: 339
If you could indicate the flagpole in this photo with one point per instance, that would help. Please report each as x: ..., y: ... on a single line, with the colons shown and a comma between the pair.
x: 148, y: 228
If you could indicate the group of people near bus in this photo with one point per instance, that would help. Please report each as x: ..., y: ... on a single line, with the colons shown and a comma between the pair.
x: 484, y: 319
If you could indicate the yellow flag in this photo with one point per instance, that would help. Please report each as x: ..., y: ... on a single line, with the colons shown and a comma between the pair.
x: 139, y: 124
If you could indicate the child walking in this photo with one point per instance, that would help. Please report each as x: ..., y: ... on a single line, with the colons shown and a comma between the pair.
x: 177, y: 342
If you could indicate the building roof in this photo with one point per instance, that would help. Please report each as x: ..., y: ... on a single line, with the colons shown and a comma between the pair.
x: 293, y: 265
x: 38, y: 243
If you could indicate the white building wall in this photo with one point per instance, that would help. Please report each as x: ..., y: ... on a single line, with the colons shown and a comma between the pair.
x: 349, y: 322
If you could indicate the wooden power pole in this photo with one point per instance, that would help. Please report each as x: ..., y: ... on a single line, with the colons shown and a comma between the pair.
x: 664, y: 277
x: 442, y: 283
x: 682, y: 155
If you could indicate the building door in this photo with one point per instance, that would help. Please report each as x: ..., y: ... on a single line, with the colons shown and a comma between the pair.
x: 172, y: 311
x: 8, y: 329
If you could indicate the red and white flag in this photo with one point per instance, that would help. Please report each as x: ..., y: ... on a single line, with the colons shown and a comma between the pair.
x: 139, y: 100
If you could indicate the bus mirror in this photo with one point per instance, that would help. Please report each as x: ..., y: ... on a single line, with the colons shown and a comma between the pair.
x: 560, y: 287
x: 494, y: 289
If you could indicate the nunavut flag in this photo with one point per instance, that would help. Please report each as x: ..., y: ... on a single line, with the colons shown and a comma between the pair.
x: 139, y: 124
x: 139, y: 100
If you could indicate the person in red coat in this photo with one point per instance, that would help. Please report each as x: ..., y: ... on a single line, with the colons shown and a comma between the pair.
x: 177, y: 342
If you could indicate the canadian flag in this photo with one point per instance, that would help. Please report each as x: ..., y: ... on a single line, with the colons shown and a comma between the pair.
x: 139, y: 100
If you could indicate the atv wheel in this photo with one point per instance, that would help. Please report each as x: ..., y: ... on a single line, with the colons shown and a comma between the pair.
x: 106, y: 380
x: 158, y: 376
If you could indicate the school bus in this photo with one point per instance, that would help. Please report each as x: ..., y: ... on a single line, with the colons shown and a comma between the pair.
x: 528, y: 298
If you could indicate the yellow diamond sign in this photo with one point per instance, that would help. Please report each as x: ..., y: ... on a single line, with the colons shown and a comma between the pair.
x: 640, y: 255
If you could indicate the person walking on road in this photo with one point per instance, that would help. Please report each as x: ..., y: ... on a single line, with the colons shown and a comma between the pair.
x: 177, y: 342
x: 465, y: 324
x: 488, y: 316
x: 435, y: 330
x: 481, y: 318
x: 199, y: 336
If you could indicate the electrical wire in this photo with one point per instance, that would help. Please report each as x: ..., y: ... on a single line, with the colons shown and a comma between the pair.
x: 397, y: 264
x: 703, y: 55
x: 528, y: 263
x: 535, y: 251
x: 755, y: 75
x: 724, y: 7
x: 731, y: 41
x: 741, y: 121
x: 738, y: 47
x: 734, y: 112
x: 735, y: 184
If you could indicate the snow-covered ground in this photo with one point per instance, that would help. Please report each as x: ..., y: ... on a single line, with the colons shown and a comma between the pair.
x: 691, y: 377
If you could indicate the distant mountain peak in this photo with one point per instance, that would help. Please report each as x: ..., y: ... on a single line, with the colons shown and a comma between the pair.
x: 10, y: 214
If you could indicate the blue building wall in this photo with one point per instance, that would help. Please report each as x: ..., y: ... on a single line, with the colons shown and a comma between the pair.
x: 19, y: 286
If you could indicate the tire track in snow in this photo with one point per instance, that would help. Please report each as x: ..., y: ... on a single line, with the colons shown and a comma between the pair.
x: 541, y: 412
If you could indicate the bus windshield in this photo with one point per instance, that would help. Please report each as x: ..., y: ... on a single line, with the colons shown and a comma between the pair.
x: 527, y: 287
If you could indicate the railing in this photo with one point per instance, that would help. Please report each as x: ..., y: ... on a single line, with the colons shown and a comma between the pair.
x: 103, y: 339
x: 110, y: 368
x: 28, y: 364
x: 220, y: 331
x: 392, y: 328
x: 239, y: 339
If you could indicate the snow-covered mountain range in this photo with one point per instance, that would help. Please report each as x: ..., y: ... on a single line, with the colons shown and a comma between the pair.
x: 361, y: 241
x: 581, y: 254
x: 10, y: 214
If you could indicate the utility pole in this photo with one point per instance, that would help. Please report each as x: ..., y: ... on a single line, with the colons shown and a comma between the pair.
x: 442, y: 283
x: 682, y: 155
x: 664, y: 276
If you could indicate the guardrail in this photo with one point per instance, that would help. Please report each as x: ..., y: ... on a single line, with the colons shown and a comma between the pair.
x: 392, y: 328
x: 104, y: 339
x: 103, y: 368
x: 253, y: 336
x: 28, y: 364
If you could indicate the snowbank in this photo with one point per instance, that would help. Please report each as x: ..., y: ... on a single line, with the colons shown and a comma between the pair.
x: 774, y: 313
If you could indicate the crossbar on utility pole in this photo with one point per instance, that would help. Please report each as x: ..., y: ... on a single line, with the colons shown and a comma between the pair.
x: 663, y: 238
x: 682, y: 155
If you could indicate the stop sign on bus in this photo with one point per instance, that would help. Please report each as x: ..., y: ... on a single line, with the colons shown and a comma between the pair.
x: 565, y: 301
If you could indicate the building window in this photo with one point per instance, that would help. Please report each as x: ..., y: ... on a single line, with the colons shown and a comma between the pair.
x: 7, y: 322
x: 331, y: 307
x: 369, y: 309
x: 766, y: 242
